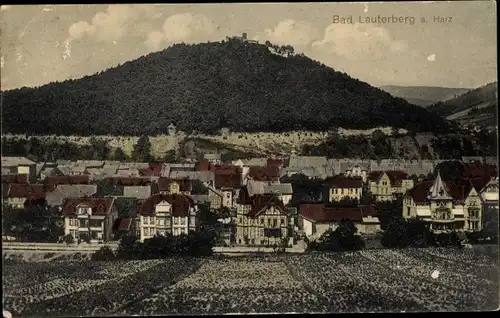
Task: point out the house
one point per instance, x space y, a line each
138 192
15 178
58 194
475 170
92 218
342 188
18 195
387 185
57 180
227 181
214 158
267 174
262 220
311 166
171 129
19 165
174 186
167 213
153 170
316 219
275 162
357 170
489 197
284 191
205 177
450 205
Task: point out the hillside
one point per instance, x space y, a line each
423 95
205 87
477 107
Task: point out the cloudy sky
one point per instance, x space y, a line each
42 44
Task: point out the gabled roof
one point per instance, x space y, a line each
307 161
396 177
16 161
99 206
457 190
472 170
268 173
62 192
203 176
15 178
262 202
56 180
343 182
255 162
274 162
128 181
283 188
123 224
203 166
184 184
28 191
154 169
139 192
180 204
227 178
322 213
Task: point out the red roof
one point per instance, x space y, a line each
227 180
203 166
164 184
344 183
479 170
180 204
15 178
128 181
28 191
457 189
56 180
124 224
261 202
274 162
268 173
322 213
375 175
154 169
99 206
395 176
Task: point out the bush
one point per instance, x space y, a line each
68 239
105 253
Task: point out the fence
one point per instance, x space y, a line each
54 246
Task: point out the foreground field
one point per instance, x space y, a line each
368 281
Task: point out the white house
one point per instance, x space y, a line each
167 213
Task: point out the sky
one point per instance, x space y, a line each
46 43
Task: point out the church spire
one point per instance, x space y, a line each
439 190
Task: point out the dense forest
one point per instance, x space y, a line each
486 94
242 86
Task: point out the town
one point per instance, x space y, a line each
258 202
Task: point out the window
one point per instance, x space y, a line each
160 221
261 221
84 223
282 221
275 222
99 235
228 195
183 221
357 191
192 221
176 220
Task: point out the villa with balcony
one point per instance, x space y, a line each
450 205
90 219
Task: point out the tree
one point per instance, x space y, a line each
170 156
142 150
68 239
119 155
343 238
105 253
449 170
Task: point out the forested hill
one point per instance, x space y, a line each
474 98
204 87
